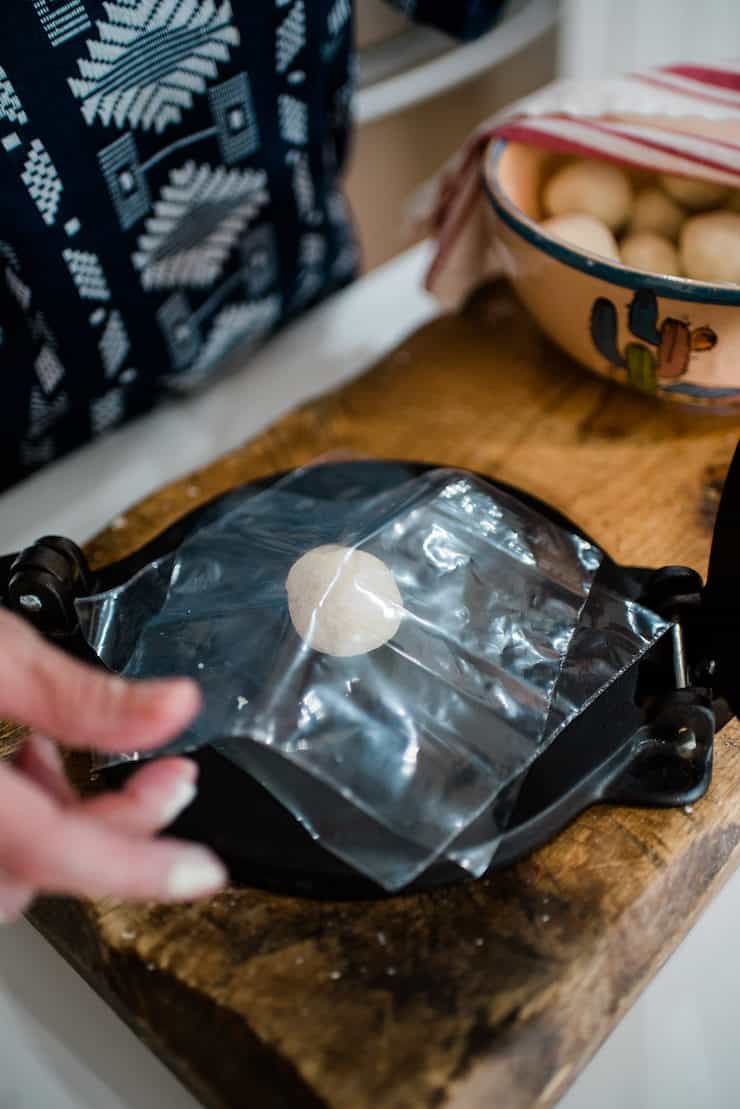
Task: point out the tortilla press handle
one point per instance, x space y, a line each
721 597
43 583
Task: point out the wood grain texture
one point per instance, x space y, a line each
11 737
493 993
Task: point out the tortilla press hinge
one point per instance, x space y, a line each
675 592
671 763
44 581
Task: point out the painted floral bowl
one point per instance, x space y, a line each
670 336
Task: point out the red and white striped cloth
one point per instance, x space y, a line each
678 119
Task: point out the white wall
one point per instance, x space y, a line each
614 36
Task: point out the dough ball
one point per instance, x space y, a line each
654 253
655 211
696 195
343 602
584 232
596 189
710 247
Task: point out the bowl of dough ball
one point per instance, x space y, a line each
635 274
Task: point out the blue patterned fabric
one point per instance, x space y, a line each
169 194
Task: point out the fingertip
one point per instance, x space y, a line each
186 769
163 772
15 900
154 797
180 798
197 873
162 710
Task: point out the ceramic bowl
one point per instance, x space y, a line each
665 335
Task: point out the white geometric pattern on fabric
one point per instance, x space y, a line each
43 182
347 261
260 266
8 254
293 115
338 15
180 329
107 411
49 370
18 288
87 274
151 59
62 19
312 250
125 179
336 207
235 117
114 345
311 255
196 223
236 325
303 187
45 413
10 105
309 284
291 37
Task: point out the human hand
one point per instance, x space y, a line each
51 841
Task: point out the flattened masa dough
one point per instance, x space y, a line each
343 602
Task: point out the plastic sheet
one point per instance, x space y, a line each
390 757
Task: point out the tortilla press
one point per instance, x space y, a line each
646 741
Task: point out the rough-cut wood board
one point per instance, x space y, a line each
494 993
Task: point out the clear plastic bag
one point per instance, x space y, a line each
389 757
612 633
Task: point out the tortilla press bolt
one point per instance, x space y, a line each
45 581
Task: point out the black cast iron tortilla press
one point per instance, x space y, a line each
647 740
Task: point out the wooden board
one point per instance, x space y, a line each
494 993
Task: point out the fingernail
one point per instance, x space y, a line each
49 753
195 876
182 795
